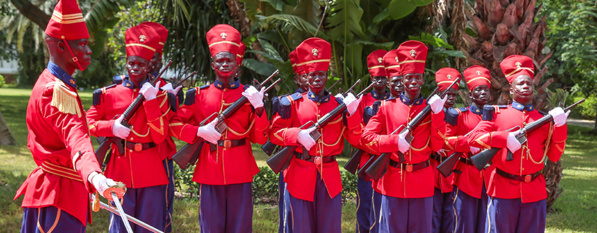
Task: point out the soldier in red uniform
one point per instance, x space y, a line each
226 166
313 185
443 214
56 193
392 66
140 167
517 188
366 217
407 188
469 204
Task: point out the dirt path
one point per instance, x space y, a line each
584 123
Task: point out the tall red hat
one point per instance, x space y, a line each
161 31
516 65
314 54
476 76
412 55
67 22
241 53
375 63
446 76
141 41
223 38
390 62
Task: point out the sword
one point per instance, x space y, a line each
123 215
134 220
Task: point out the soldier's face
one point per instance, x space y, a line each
317 80
521 89
396 86
480 95
137 67
82 51
451 100
301 81
381 82
156 63
412 83
224 64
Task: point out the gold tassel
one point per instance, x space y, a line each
96 202
64 99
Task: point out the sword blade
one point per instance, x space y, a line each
123 215
134 220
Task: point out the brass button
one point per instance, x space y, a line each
131 151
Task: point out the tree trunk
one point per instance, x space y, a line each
553 173
32 12
6 137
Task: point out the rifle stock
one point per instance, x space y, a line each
353 163
269 148
447 166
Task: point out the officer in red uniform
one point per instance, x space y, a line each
313 185
392 66
226 166
366 217
517 188
443 214
407 188
469 204
56 193
140 167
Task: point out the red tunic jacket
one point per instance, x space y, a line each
528 160
301 175
223 166
367 101
428 137
137 169
58 135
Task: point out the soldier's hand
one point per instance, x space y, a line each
101 184
119 130
168 88
254 96
559 116
437 104
403 145
474 150
148 91
351 103
339 96
513 144
209 132
305 139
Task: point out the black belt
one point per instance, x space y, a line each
410 167
523 178
227 144
466 160
139 146
327 159
436 157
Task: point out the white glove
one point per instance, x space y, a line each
339 96
101 183
403 145
168 88
474 150
254 96
436 103
513 144
209 132
351 103
119 130
148 91
305 139
559 116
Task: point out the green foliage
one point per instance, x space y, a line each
2 82
265 185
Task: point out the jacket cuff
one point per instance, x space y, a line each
188 133
437 120
291 136
388 143
104 128
499 139
353 121
152 109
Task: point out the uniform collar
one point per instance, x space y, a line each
475 110
407 101
129 84
324 99
232 85
520 107
378 97
299 90
62 75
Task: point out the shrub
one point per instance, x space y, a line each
2 82
586 110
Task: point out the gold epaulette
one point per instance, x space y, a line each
64 99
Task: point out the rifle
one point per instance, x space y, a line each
280 159
100 152
189 153
448 165
353 163
483 158
333 85
380 166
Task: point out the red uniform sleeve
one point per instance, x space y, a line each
260 129
438 130
282 133
557 143
375 135
183 125
97 126
158 116
485 136
355 129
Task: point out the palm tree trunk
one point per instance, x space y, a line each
6 137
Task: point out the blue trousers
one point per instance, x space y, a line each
49 219
226 208
281 188
375 212
322 215
469 212
365 220
146 204
443 213
169 191
513 216
408 215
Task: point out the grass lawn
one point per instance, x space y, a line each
575 210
